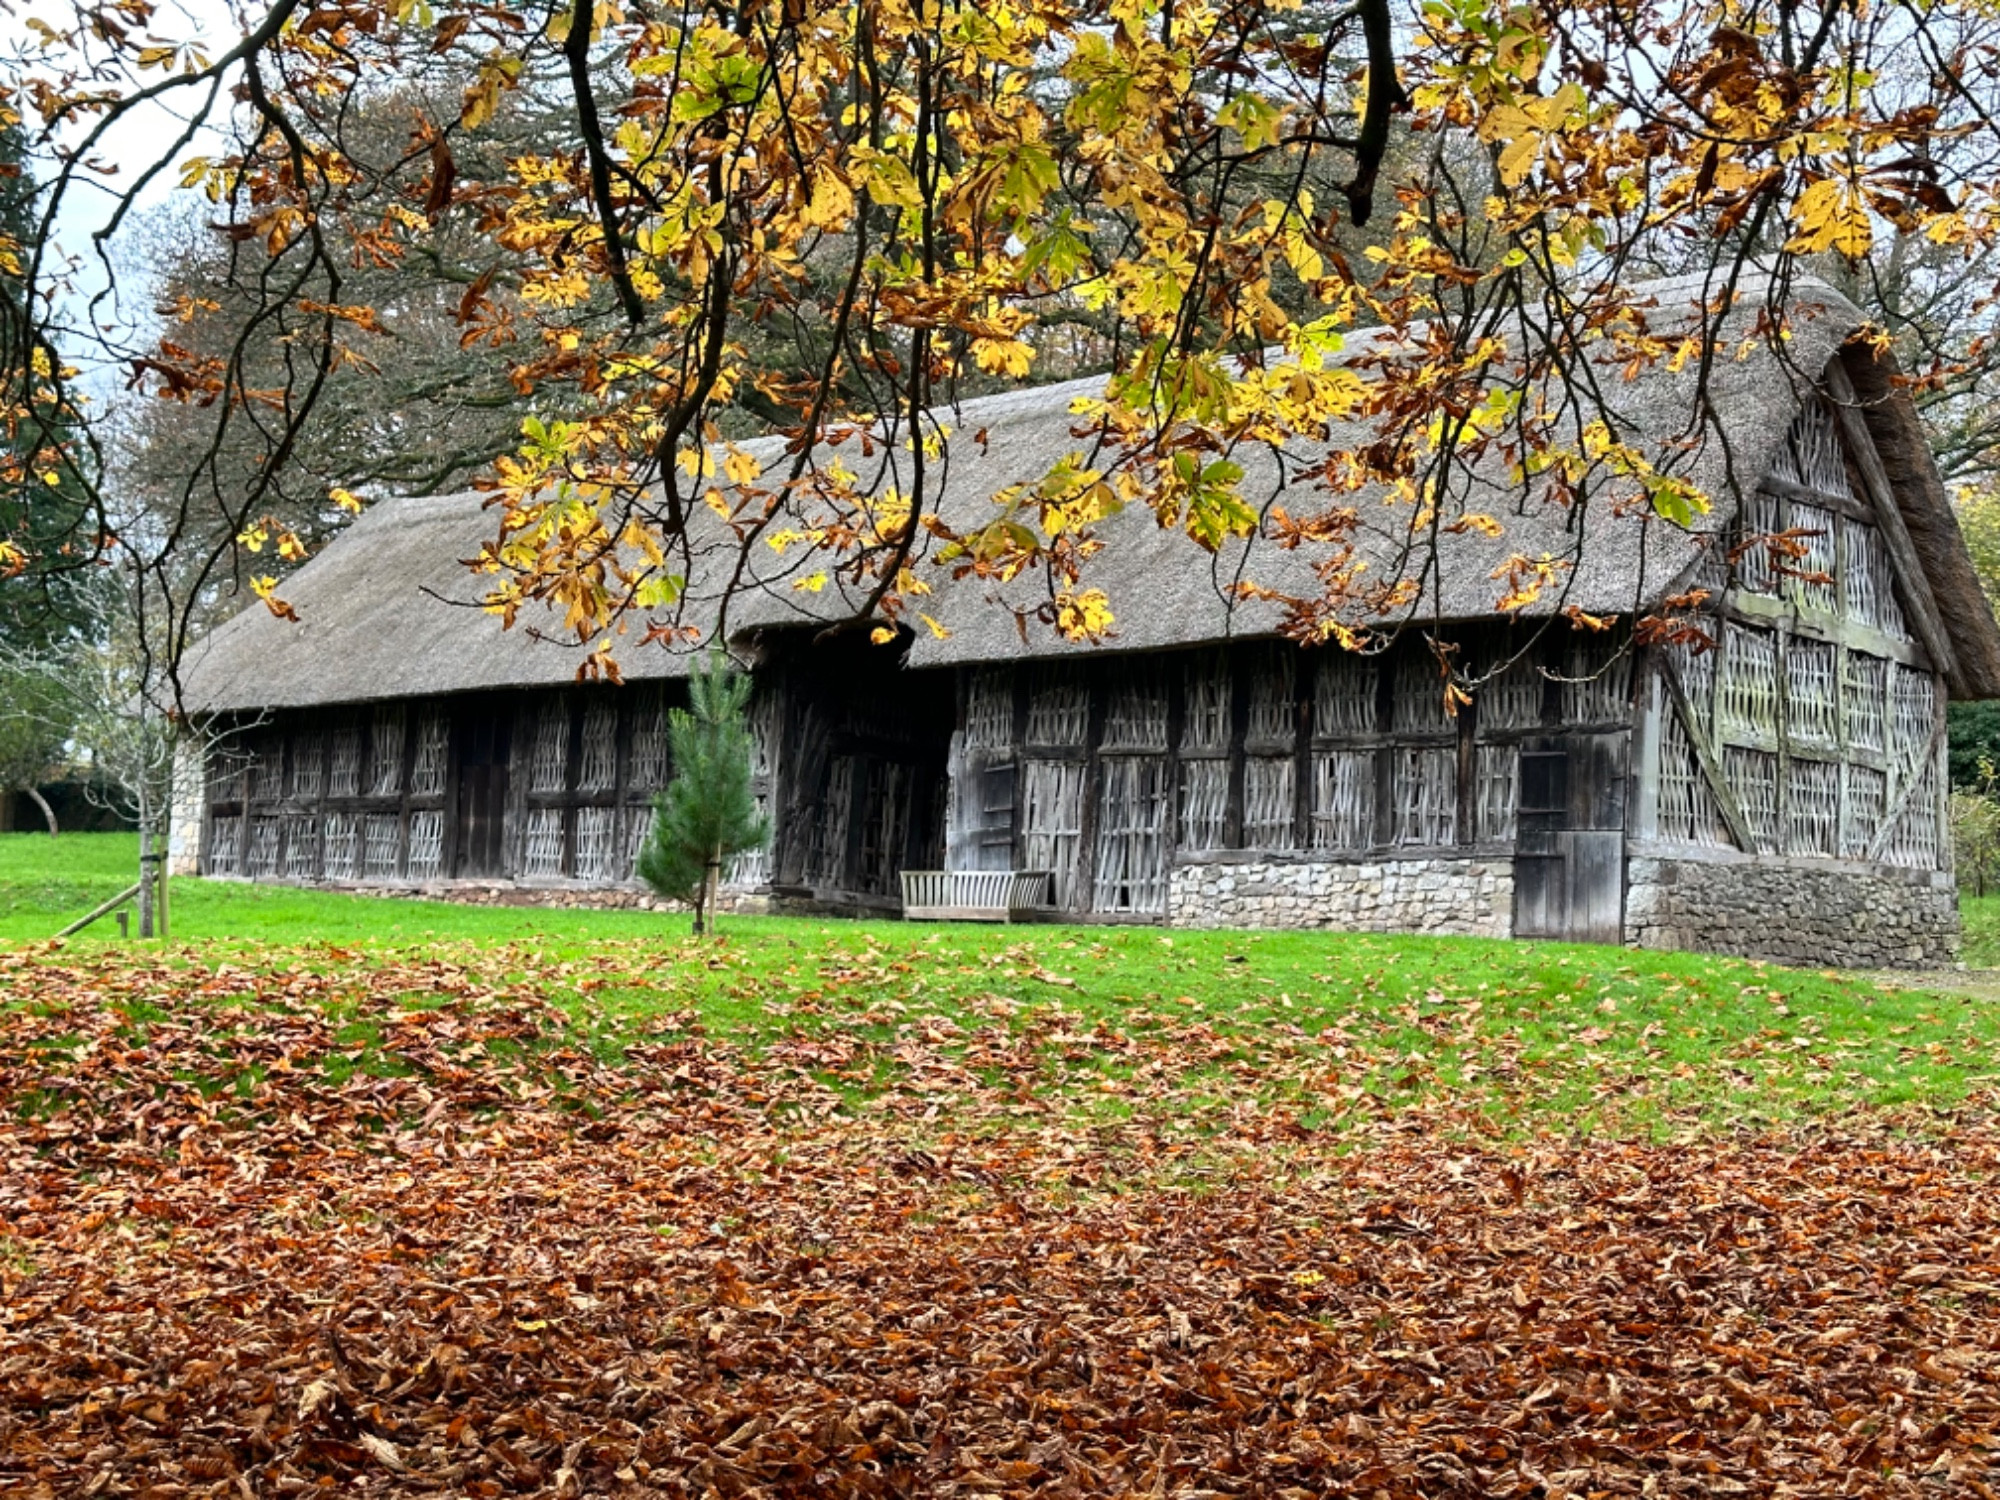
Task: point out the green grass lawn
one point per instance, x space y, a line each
1536 1035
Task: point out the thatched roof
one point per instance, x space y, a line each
386 609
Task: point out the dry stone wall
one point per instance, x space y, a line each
1466 897
1794 912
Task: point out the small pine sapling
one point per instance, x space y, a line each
708 811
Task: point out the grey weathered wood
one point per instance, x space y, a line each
1806 494
1705 756
1900 803
1919 602
1468 773
1645 804
1765 612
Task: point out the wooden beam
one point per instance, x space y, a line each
1889 517
1705 757
1769 612
1893 814
1805 494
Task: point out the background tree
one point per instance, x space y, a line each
708 812
34 734
46 509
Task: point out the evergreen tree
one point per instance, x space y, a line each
708 812
51 590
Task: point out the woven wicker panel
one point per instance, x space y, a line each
1747 685
1811 699
1052 822
385 751
1812 808
599 769
1813 455
989 709
427 771
1917 842
1597 681
1868 581
600 858
1497 777
1205 705
307 773
381 846
1867 802
1753 779
542 854
1269 818
1511 696
752 868
225 846
1273 710
341 846
260 768
302 848
1864 694
1426 796
649 771
1343 799
762 716
1058 707
343 761
228 773
1688 811
885 826
1135 716
1913 713
1344 695
548 766
265 836
1419 705
1811 581
826 860
1762 516
1204 805
426 844
1131 873
634 825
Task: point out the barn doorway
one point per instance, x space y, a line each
482 795
1569 853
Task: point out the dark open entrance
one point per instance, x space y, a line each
1569 858
864 751
483 742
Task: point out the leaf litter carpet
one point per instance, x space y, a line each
701 1270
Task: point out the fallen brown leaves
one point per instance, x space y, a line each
524 1270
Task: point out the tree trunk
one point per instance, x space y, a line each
145 869
48 813
711 884
162 874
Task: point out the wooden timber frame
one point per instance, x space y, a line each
1807 722
554 786
548 786
1260 750
1801 719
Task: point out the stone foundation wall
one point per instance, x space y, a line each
1793 912
1468 897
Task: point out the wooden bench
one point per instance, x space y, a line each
976 895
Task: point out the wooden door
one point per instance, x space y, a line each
1569 853
482 796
